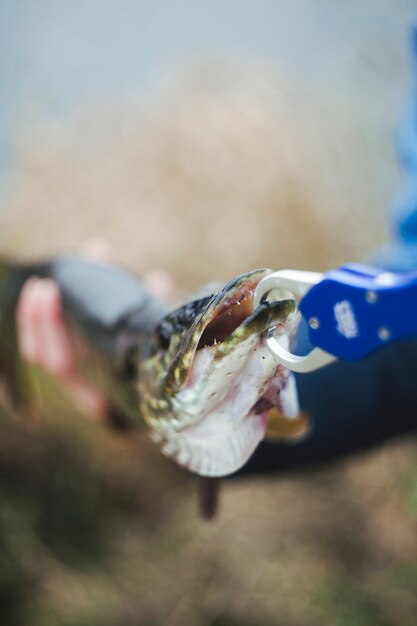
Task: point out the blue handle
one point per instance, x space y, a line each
356 309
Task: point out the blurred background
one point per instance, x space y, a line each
208 138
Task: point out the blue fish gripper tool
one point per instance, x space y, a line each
350 312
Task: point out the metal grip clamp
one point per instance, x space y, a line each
350 311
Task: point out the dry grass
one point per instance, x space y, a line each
229 169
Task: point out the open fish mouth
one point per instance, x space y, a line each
224 382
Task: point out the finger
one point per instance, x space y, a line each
160 283
26 334
44 340
53 348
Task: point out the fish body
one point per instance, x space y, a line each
199 376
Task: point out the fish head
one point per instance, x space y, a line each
207 382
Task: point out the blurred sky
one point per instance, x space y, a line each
55 54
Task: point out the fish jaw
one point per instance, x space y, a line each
228 421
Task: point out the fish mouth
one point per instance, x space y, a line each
222 438
232 384
230 314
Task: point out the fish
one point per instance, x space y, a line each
199 377
207 383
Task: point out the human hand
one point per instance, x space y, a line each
45 340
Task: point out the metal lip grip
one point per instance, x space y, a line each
350 311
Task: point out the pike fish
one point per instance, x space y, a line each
207 383
199 376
